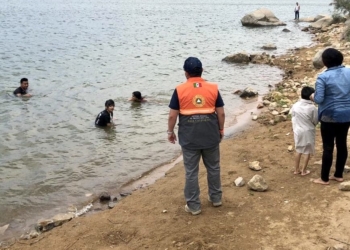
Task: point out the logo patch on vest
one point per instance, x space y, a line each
198 101
197 85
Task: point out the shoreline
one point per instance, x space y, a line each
148 174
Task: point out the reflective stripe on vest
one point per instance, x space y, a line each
196 96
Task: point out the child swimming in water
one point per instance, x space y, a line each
137 97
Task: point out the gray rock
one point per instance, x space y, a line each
344 186
286 30
254 165
269 47
248 93
285 111
322 23
317 60
57 220
33 234
266 102
125 194
111 205
237 58
260 106
260 18
254 117
318 17
307 19
305 29
257 183
3 229
239 182
104 196
346 169
274 112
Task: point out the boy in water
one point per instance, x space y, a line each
304 120
105 117
22 90
137 97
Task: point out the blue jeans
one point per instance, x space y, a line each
211 160
296 15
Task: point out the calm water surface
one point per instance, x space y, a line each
79 53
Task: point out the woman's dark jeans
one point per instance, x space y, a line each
329 133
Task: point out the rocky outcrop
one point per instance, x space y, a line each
269 47
307 19
317 60
237 58
322 23
248 93
286 30
261 18
57 220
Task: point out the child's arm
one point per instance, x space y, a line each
314 116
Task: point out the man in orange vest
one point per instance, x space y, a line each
200 109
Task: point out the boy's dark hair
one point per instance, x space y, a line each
332 57
23 80
137 94
306 92
109 103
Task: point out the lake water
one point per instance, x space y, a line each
79 53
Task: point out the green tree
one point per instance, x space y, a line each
342 6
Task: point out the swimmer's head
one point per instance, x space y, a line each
24 83
109 104
137 96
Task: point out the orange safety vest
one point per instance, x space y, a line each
197 96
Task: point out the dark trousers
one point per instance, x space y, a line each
329 133
296 15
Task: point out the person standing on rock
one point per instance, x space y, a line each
304 120
296 11
200 109
332 96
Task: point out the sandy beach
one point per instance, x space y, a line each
293 213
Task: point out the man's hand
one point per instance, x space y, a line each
172 138
221 134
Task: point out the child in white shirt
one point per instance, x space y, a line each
304 120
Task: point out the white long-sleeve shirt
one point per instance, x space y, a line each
304 119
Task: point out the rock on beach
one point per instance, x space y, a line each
258 183
255 165
237 58
261 18
344 186
248 93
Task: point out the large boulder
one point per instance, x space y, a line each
322 23
260 18
307 19
237 58
317 60
248 93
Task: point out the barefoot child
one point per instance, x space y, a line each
304 120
